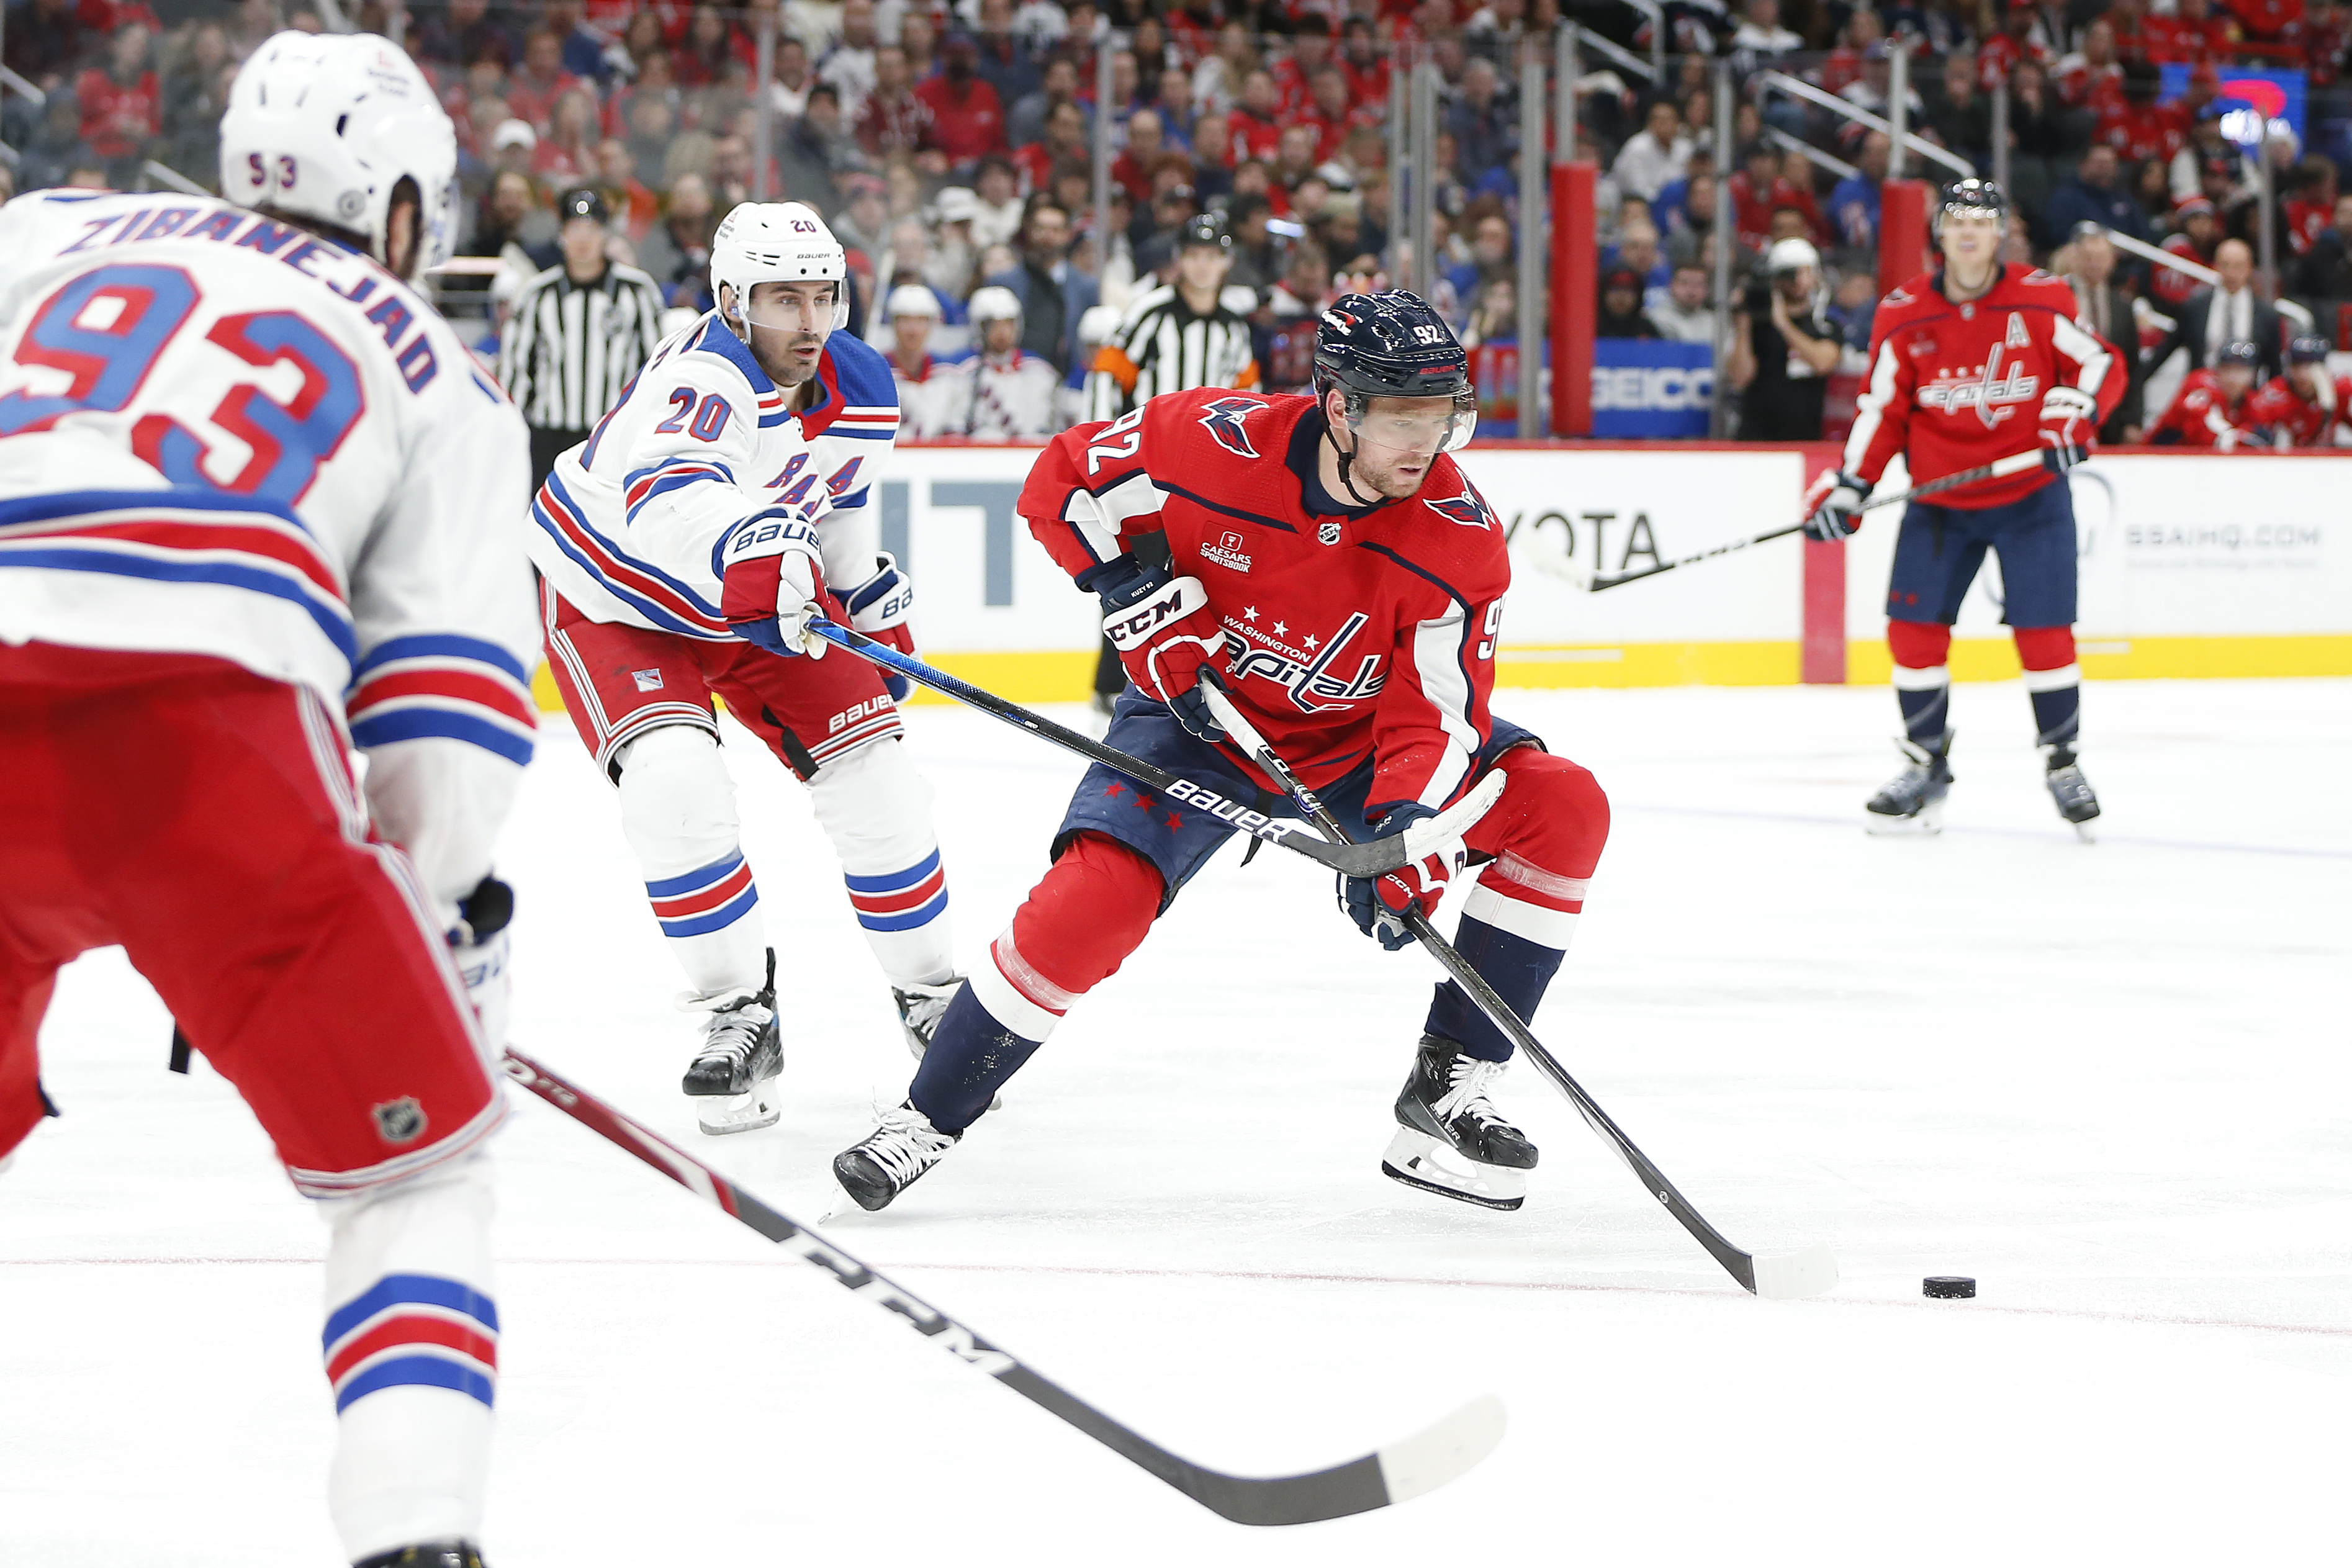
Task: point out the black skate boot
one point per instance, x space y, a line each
1913 800
1450 1138
920 1009
892 1157
2076 802
435 1555
733 1078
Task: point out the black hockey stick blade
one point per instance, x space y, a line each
1349 860
1420 1463
1806 1273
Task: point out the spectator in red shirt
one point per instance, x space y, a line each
123 105
2139 128
1255 128
1064 142
1331 114
1310 51
2094 78
2128 18
1999 55
2192 35
1133 167
893 121
2200 233
533 89
2311 210
566 156
1756 190
2325 36
967 116
2266 20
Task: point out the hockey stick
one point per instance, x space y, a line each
1806 1273
2016 463
1419 1463
1348 858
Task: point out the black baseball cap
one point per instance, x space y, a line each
583 201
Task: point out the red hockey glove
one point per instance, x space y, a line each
1166 636
1836 500
879 607
1379 904
774 582
2070 418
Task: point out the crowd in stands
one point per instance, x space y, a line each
952 145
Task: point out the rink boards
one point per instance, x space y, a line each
2192 565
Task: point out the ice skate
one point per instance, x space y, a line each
920 1008
435 1555
1450 1138
733 1079
2077 802
1913 800
892 1157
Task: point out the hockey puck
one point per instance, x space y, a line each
1949 1287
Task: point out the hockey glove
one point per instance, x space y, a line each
1379 904
774 582
1837 510
477 946
2069 422
879 607
1166 637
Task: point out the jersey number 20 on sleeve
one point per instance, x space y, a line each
107 328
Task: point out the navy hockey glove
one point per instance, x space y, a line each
1166 636
2069 419
477 946
1378 904
774 581
879 607
1838 511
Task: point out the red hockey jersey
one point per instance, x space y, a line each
1367 634
1955 386
2279 407
2202 416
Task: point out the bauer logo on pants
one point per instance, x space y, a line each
399 1121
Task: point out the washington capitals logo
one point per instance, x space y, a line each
1224 419
1989 391
1469 508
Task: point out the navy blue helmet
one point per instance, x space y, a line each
1394 345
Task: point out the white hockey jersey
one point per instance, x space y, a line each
1016 398
928 401
219 435
631 524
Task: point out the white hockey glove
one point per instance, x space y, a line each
774 581
477 946
2069 423
1167 636
1379 904
879 607
1837 507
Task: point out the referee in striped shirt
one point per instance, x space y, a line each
579 333
1172 338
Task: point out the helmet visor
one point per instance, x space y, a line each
1422 425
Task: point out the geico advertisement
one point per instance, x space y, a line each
982 584
2253 544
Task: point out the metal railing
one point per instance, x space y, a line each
1783 82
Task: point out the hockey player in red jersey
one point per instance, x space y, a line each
1324 561
2306 406
244 469
1976 361
2214 408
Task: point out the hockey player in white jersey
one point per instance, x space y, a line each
1004 393
243 471
927 388
685 544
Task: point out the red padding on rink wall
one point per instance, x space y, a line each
1574 255
1823 647
1901 232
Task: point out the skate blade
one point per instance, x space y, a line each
1924 823
2084 834
1418 1159
721 1114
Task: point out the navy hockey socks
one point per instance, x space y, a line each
970 1058
1517 969
1927 711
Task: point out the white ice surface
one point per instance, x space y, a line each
2109 1081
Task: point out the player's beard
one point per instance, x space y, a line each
1375 470
786 372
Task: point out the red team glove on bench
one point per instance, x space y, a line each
1165 635
1379 904
774 582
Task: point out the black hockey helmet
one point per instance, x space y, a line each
1972 198
2307 351
2239 351
1394 345
1205 228
583 201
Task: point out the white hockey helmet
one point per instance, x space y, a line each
994 303
777 242
913 300
324 127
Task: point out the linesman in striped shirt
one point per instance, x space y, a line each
1172 338
581 331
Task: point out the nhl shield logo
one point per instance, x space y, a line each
1329 533
399 1121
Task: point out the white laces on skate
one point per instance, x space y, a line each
920 1008
1466 1093
906 1144
736 1021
